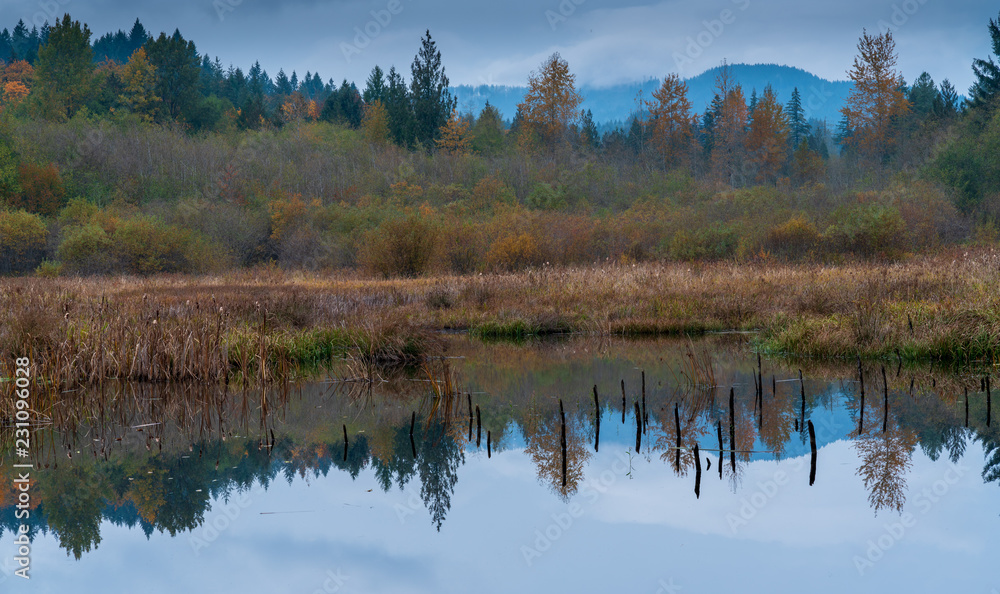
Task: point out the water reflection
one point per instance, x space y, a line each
156 457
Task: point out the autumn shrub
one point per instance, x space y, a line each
867 230
23 237
86 249
546 196
400 247
145 246
461 245
713 242
490 192
514 252
42 189
795 239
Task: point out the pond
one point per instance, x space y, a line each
566 465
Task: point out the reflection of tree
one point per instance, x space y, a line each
545 448
691 433
438 459
991 471
74 500
885 459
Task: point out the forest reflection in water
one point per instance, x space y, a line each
156 457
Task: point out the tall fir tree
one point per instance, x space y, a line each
374 86
432 101
65 70
798 126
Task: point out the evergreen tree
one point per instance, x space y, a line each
399 109
431 99
282 86
177 73
798 127
294 81
375 86
488 131
987 86
922 95
947 102
588 130
65 70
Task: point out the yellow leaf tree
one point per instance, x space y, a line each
876 100
139 80
375 123
552 102
671 121
455 138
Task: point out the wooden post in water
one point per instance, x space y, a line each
479 426
697 473
638 428
966 407
760 374
623 402
562 418
861 379
413 422
489 443
802 390
885 402
345 443
812 449
645 417
469 394
677 451
597 420
989 404
718 430
732 427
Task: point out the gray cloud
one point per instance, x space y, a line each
501 42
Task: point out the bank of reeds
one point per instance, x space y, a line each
264 324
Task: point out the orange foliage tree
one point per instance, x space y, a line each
139 80
375 123
671 121
731 119
455 138
552 102
768 137
42 190
876 100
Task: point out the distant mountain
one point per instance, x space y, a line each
821 98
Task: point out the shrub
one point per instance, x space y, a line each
714 242
514 252
86 250
868 230
400 247
793 239
42 190
22 241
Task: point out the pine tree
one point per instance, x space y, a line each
177 74
282 86
139 81
399 109
374 86
798 127
922 95
375 123
488 132
432 101
946 104
984 91
588 130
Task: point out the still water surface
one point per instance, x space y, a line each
169 489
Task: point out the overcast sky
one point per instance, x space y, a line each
501 41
